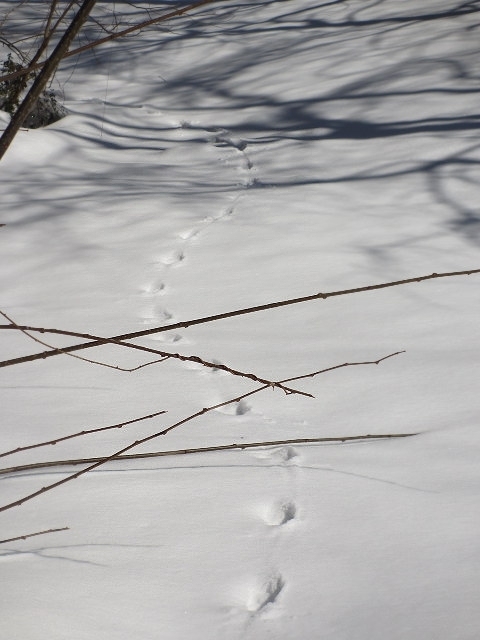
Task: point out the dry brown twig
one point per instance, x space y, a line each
221 316
163 432
121 338
165 354
45 74
85 432
49 30
25 332
31 535
219 447
114 36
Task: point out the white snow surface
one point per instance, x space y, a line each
247 153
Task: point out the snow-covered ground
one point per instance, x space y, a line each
247 153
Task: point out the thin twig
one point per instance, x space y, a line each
80 433
48 69
165 354
31 535
49 30
231 314
220 447
25 332
152 436
114 36
340 366
51 12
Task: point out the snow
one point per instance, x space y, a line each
250 152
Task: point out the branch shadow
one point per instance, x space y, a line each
434 81
309 82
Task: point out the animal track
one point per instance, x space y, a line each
234 159
154 288
154 315
160 314
235 155
225 141
166 338
221 138
279 455
242 408
173 258
265 594
188 234
280 513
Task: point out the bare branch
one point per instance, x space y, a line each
229 314
48 22
25 331
48 69
340 366
165 354
152 436
31 535
80 433
49 30
114 36
220 447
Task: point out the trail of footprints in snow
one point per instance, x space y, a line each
153 313
266 589
266 593
276 514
